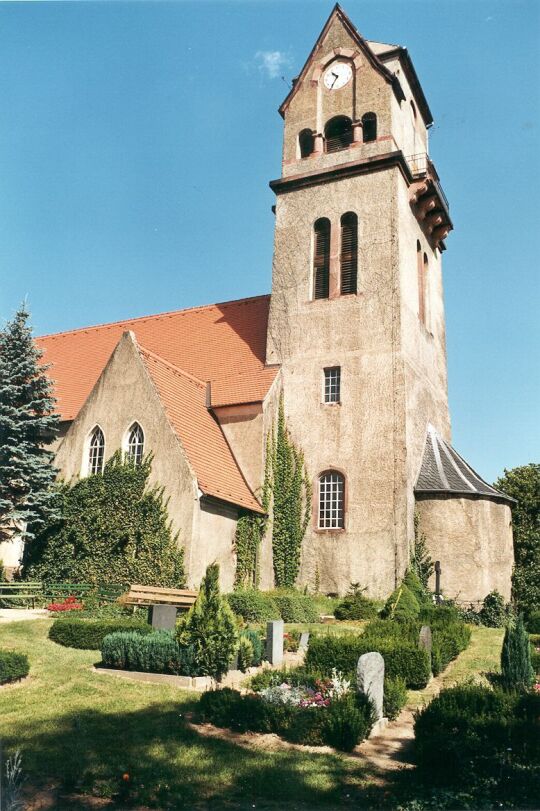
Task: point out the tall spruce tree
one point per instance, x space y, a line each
28 423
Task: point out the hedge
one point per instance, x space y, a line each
295 607
533 623
253 605
342 652
89 634
13 666
157 652
489 734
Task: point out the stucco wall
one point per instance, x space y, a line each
214 530
472 538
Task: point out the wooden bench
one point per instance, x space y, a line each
152 595
21 591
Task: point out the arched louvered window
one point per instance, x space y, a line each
369 127
321 258
135 444
349 253
338 133
96 451
331 500
305 143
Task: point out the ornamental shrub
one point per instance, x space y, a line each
491 734
13 666
493 613
113 528
257 644
516 668
533 622
413 583
157 652
295 607
89 634
210 628
348 721
355 606
244 654
401 605
395 696
253 605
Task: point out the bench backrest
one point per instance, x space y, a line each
148 595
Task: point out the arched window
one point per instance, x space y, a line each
96 451
305 143
331 500
338 133
135 444
321 258
369 127
421 283
349 253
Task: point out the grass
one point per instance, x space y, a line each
79 732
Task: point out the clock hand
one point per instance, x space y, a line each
337 77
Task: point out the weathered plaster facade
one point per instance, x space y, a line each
388 339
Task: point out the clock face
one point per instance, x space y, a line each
337 75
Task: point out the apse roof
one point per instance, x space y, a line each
443 470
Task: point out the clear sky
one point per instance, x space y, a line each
137 141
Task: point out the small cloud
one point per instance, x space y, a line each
273 63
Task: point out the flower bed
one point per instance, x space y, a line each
317 712
69 604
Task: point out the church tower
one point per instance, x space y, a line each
357 316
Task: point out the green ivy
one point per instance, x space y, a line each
112 529
250 530
291 492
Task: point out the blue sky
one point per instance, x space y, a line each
137 141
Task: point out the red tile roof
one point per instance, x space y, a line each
224 343
184 400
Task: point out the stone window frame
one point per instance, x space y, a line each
94 455
340 510
331 385
128 445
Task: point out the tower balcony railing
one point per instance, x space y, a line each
421 166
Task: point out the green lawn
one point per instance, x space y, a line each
79 732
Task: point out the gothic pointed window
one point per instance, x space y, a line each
369 127
331 500
305 143
321 258
338 133
96 451
349 253
135 444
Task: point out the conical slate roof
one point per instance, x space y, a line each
443 470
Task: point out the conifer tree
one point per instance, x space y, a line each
28 424
516 669
210 628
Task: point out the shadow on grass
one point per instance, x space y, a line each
167 765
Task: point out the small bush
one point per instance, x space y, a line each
219 706
13 666
493 613
244 653
253 605
401 605
348 721
89 634
294 677
413 583
295 607
355 606
533 622
516 669
395 696
158 652
257 644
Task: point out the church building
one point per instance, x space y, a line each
352 336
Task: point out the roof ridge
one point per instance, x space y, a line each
140 318
171 366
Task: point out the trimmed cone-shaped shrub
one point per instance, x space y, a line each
210 628
516 668
401 605
413 583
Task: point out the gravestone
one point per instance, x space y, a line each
424 640
274 642
163 617
370 680
304 641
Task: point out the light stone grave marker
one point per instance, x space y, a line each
370 680
304 641
424 640
274 641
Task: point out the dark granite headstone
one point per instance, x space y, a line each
162 617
